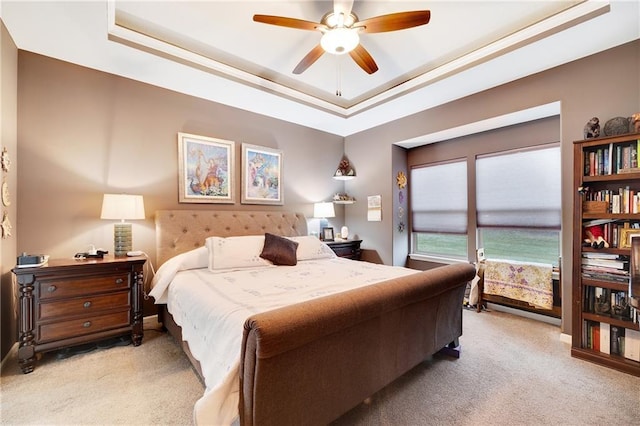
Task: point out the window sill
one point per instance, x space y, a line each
436 259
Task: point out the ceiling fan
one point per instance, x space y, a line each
340 32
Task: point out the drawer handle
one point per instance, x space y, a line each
52 288
119 281
87 304
87 324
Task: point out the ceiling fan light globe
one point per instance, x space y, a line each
339 41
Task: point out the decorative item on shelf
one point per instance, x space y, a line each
343 198
122 207
592 128
322 211
635 122
344 232
345 170
616 126
594 237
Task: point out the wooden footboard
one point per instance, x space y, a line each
311 362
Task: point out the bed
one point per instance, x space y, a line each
302 354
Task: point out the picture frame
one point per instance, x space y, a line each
206 169
262 175
626 234
327 234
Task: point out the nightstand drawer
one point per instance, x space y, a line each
349 249
70 287
84 305
345 251
81 326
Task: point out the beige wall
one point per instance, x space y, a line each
83 133
8 126
605 85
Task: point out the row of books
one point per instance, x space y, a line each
624 200
611 339
612 159
608 267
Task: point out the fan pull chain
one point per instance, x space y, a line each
338 77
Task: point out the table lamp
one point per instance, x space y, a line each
122 207
322 211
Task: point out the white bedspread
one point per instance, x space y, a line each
212 308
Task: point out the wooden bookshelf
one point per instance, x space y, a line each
605 170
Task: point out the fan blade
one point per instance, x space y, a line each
342 6
308 60
363 59
394 21
282 21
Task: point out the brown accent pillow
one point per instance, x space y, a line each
279 250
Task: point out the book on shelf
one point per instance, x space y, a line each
605 277
605 338
607 263
600 255
632 345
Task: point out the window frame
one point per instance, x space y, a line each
473 237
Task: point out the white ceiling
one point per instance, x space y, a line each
214 50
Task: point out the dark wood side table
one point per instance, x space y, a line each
68 302
349 249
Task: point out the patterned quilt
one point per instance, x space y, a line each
527 282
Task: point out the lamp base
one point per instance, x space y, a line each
122 239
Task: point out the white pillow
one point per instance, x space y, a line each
193 259
310 247
232 253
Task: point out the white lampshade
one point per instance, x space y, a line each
122 207
323 210
339 41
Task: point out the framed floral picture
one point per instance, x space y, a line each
206 169
261 175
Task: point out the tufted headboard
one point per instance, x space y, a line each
178 231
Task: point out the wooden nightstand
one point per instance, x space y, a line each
346 248
68 302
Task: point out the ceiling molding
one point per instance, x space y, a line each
133 32
530 114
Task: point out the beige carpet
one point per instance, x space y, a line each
513 371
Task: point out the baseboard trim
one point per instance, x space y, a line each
526 314
566 338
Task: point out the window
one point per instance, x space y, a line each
439 209
519 205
